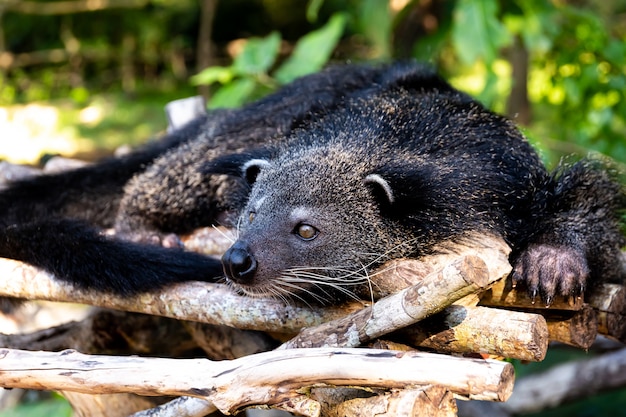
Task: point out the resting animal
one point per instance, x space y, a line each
325 180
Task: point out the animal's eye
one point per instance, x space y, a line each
251 216
306 231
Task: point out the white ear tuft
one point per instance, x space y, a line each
252 168
377 180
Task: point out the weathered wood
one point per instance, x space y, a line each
609 300
399 274
464 276
264 378
510 334
195 301
578 328
503 294
433 401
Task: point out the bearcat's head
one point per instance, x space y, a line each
315 225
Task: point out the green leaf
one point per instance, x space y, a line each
211 75
312 50
258 55
313 10
233 94
477 32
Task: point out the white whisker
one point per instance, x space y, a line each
225 235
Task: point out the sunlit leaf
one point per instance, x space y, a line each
477 32
258 55
313 9
212 75
233 94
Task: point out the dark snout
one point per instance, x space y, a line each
239 263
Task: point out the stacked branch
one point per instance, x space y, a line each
266 378
420 315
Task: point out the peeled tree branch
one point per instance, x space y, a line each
264 378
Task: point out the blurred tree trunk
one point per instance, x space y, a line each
518 105
418 19
204 53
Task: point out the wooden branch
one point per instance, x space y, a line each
207 303
406 272
609 300
462 329
433 401
195 301
58 55
465 276
567 382
265 378
578 328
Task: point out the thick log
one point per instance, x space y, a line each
609 301
433 401
436 291
578 328
265 378
460 329
396 275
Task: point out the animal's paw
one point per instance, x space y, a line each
550 271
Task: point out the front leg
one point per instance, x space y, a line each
577 240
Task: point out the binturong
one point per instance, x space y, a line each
400 168
324 180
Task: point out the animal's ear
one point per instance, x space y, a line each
400 188
381 190
252 167
243 165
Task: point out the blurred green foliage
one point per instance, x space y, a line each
575 55
250 70
56 406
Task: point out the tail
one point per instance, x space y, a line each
79 254
576 239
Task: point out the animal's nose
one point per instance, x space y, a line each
239 263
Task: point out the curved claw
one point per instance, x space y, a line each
551 271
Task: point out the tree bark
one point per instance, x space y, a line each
265 378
